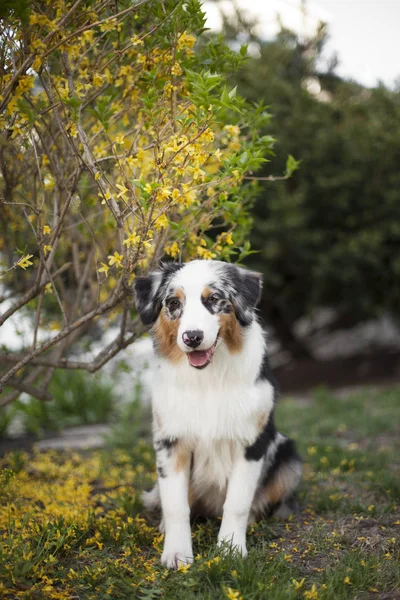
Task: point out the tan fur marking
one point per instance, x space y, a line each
261 420
207 292
179 293
182 454
231 332
285 481
166 332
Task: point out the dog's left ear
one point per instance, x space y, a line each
148 291
247 286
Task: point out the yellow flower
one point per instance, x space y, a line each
311 451
131 240
298 584
115 259
176 69
105 196
186 40
73 130
163 194
136 41
232 594
347 581
104 269
46 230
47 249
119 139
175 194
182 568
25 261
311 594
232 130
108 25
161 223
98 80
147 188
172 250
123 190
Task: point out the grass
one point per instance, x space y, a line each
72 527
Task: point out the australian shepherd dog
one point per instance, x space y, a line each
217 450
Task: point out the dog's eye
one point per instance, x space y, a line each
173 304
214 298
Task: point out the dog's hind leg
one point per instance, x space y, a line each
276 492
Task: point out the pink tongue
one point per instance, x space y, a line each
199 358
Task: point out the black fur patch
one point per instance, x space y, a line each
165 444
266 374
246 292
285 453
150 290
257 450
218 306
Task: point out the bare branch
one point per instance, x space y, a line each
30 294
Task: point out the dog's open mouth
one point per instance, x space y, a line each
201 358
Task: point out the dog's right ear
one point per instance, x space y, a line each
148 302
149 292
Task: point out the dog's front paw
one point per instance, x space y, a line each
234 543
176 559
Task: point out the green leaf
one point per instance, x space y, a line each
292 165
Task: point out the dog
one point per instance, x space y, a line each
217 450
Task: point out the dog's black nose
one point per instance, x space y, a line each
193 338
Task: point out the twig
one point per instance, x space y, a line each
30 294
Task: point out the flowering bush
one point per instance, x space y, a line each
120 145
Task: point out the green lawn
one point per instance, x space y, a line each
72 526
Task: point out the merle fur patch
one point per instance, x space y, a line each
149 291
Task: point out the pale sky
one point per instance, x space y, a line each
365 34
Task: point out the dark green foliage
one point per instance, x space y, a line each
78 399
330 235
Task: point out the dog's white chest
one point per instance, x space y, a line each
214 404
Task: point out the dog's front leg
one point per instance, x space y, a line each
173 462
242 486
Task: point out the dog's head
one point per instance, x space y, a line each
195 306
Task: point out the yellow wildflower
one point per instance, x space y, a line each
25 261
123 190
161 222
131 240
115 259
104 269
233 594
172 250
311 594
46 230
176 69
298 584
233 130
186 40
119 139
347 581
47 249
105 196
